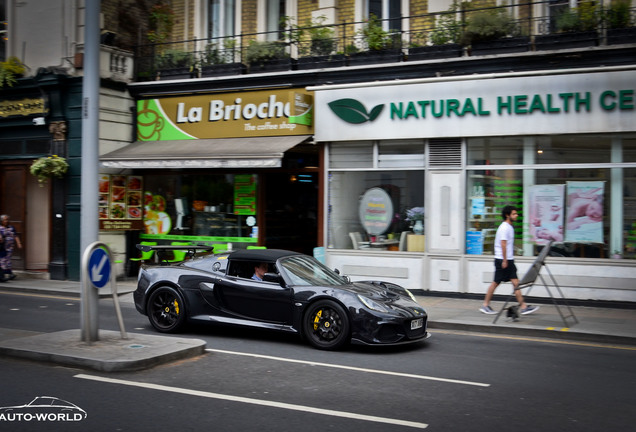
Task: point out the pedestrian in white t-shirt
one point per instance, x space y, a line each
505 269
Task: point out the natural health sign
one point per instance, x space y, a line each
478 106
232 115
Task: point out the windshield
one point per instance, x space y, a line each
305 270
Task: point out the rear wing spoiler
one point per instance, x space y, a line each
191 249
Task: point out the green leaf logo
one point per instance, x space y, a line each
352 111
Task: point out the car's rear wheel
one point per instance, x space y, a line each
326 325
166 310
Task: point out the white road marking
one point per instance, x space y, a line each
266 403
353 368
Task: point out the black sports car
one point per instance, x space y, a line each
297 294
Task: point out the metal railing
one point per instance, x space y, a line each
251 52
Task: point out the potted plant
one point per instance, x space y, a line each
48 167
318 51
415 215
381 46
494 32
216 60
263 56
576 28
617 19
175 64
444 38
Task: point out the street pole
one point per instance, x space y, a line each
89 225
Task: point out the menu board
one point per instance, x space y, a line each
245 194
120 202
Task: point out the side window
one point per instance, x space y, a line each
246 269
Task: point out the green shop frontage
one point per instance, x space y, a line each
435 160
232 170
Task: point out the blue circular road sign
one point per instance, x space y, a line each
99 268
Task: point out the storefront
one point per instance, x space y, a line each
233 170
449 153
39 119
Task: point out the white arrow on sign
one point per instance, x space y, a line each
96 271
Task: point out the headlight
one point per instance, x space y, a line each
372 304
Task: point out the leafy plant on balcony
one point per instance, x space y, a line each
215 54
489 25
321 39
10 70
174 59
259 53
579 19
375 37
617 16
447 29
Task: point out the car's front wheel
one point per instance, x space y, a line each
326 325
166 310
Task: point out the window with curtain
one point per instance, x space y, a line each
221 18
390 11
275 13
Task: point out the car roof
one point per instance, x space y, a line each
270 255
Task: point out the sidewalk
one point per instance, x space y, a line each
112 353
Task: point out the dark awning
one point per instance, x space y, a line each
255 152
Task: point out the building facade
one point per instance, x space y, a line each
420 134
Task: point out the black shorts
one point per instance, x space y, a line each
505 274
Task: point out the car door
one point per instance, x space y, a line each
254 300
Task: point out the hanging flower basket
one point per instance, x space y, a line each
47 167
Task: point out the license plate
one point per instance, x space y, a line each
418 323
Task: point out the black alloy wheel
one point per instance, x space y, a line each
326 325
166 310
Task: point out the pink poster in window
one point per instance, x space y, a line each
546 213
585 212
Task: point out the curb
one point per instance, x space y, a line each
110 353
569 335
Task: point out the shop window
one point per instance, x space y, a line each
379 222
215 209
586 206
570 207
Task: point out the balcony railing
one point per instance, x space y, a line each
456 32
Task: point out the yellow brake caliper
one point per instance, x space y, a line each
317 319
176 307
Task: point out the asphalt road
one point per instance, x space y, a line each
270 382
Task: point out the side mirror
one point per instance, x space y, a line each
344 277
272 277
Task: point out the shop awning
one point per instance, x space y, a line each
255 152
